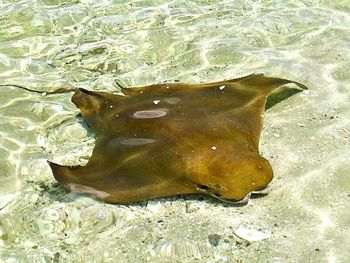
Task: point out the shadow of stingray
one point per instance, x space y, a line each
56 192
280 95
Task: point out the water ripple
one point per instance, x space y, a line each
91 44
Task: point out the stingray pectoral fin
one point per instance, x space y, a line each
257 90
61 173
122 186
66 176
263 84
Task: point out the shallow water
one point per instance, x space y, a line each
48 44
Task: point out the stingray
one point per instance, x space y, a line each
176 139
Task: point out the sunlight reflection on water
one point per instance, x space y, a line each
49 44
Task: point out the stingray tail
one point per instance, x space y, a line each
57 91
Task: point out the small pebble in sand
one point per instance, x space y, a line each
250 234
153 206
214 239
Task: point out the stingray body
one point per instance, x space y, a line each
174 139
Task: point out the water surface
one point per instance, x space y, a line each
49 44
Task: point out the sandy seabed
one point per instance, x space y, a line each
48 44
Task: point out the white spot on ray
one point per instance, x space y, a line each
136 141
172 100
149 114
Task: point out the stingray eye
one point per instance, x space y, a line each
202 187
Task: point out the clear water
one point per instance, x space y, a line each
48 44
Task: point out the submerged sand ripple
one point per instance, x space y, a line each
90 44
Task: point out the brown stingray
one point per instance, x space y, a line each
173 139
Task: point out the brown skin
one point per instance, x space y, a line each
171 139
